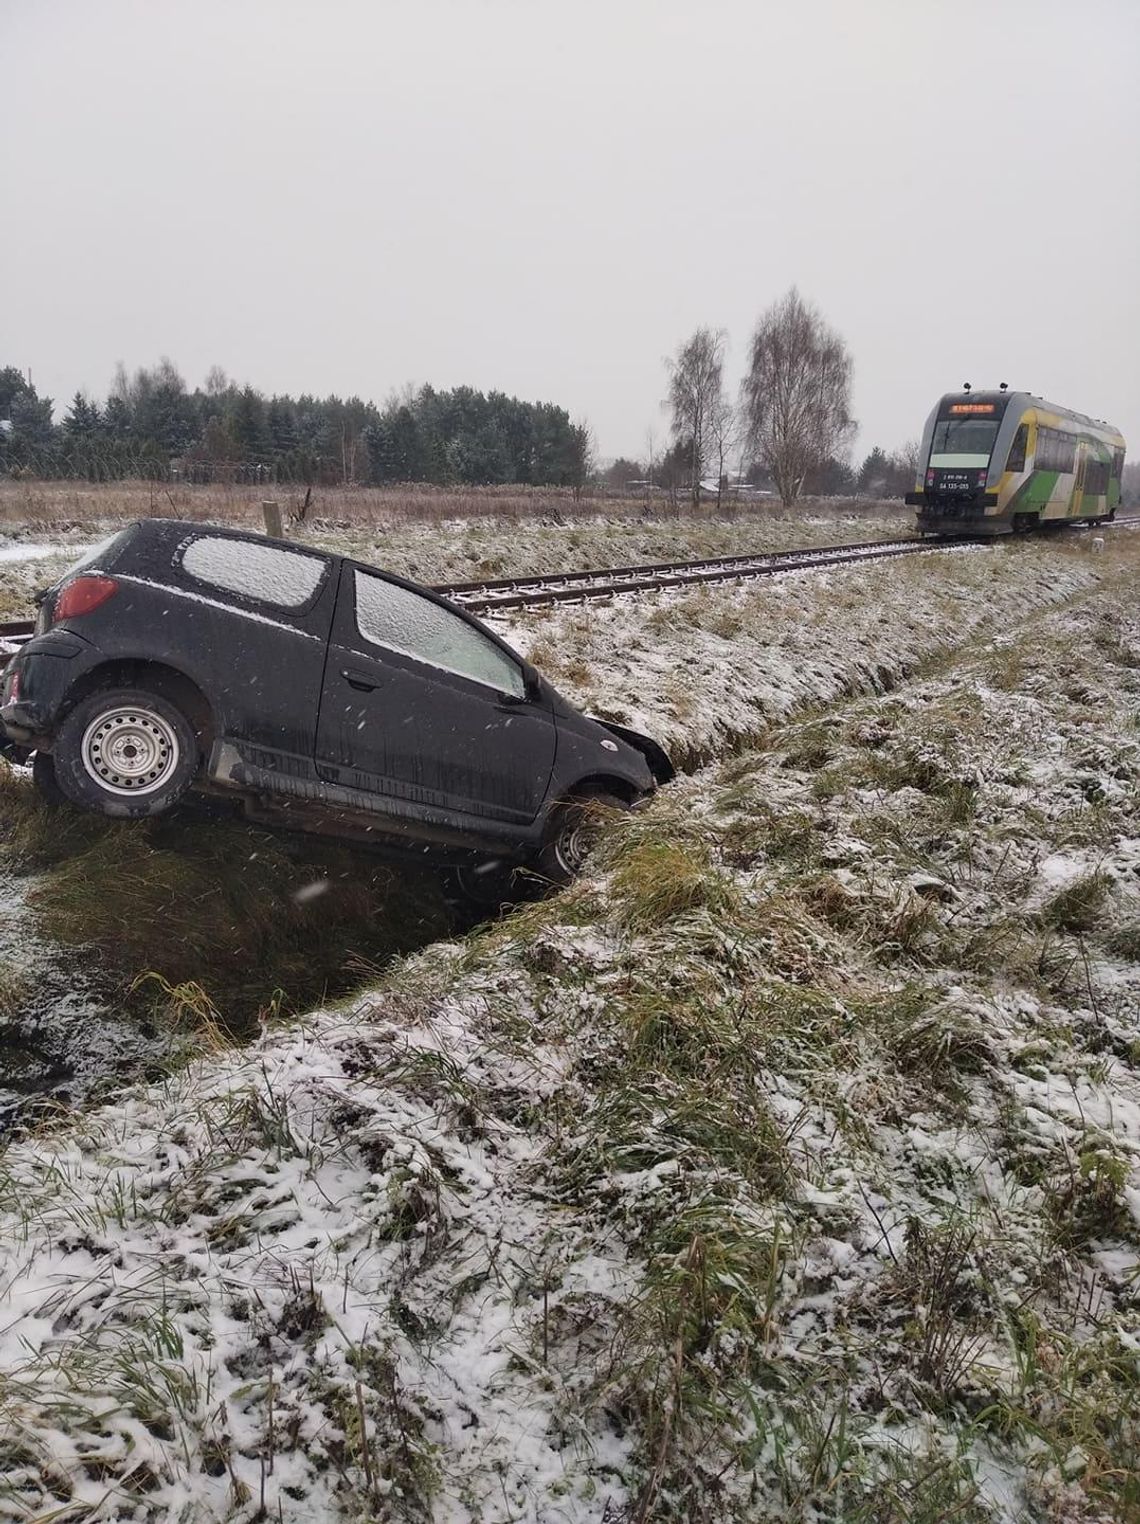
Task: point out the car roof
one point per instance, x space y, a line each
182 528
176 530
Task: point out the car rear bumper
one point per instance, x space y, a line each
37 681
22 722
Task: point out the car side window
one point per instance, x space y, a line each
285 578
399 620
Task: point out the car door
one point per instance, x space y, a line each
422 705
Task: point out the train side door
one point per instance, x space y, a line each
1079 481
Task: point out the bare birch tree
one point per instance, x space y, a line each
722 438
696 392
796 394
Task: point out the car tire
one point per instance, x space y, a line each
125 752
43 776
571 831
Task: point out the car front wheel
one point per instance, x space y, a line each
571 833
125 752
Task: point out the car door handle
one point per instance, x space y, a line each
362 681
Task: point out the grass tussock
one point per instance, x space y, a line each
14 982
658 881
937 1043
1079 906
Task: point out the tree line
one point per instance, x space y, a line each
790 430
152 425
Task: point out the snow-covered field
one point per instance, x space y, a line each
786 1167
464 550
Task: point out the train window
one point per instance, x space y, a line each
963 442
1055 450
1016 461
1096 477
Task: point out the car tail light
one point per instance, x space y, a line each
83 595
930 478
981 478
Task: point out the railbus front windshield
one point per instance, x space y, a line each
963 442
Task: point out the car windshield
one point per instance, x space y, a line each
963 442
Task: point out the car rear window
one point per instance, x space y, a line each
288 579
94 554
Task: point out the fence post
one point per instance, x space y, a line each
271 512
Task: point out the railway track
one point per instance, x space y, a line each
584 586
579 586
490 596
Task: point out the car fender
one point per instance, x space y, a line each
659 764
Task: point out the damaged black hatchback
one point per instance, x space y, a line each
326 694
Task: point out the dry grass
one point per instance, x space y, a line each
50 504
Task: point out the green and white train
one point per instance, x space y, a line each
1007 462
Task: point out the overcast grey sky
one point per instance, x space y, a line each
546 198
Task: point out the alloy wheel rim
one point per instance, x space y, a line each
130 751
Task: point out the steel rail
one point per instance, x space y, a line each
588 586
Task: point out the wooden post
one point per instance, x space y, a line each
273 525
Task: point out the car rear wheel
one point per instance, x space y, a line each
125 752
571 833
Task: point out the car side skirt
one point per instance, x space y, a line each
291 784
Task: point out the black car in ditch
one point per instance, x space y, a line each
327 694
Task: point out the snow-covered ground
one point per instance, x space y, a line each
787 1166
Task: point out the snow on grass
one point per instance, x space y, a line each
704 671
312 1272
788 1165
464 550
